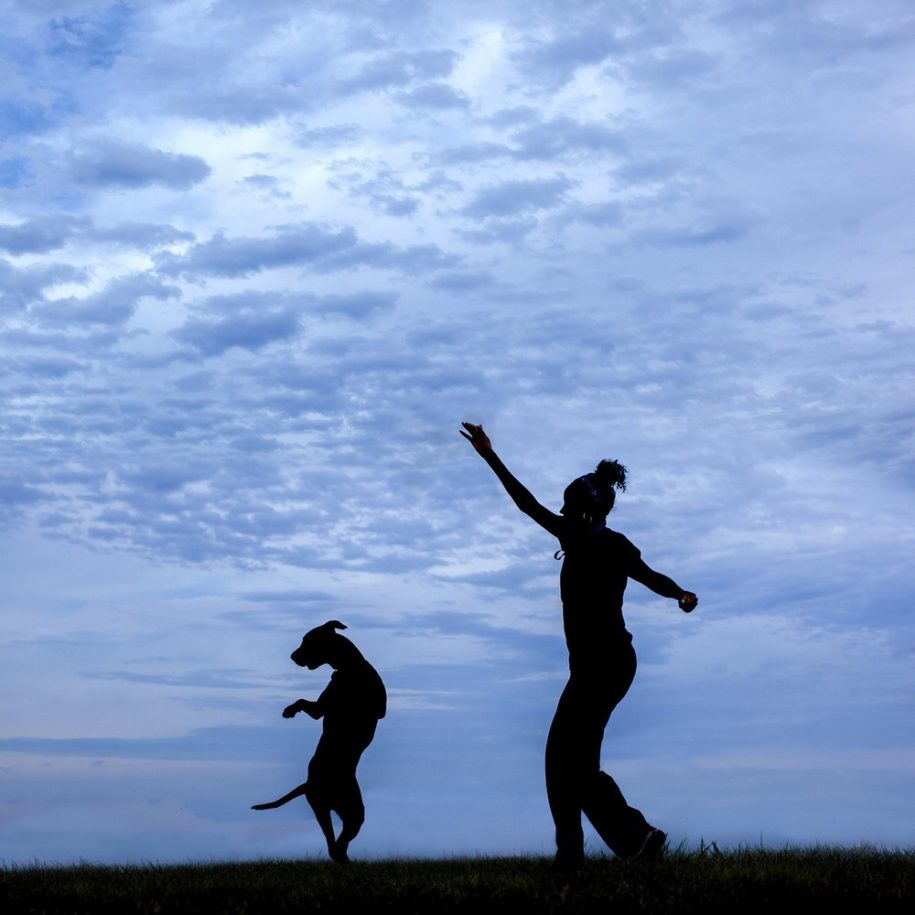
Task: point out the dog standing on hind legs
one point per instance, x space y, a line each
351 706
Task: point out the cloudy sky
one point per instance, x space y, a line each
258 261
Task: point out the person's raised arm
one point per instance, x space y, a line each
519 493
663 585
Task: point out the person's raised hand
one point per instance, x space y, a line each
476 436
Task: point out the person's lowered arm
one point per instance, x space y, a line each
663 585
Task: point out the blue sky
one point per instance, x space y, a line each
258 261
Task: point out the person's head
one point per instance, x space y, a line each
590 498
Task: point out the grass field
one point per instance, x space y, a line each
743 881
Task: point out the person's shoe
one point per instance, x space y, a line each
652 847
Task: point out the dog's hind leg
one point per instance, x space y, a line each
351 810
285 799
321 807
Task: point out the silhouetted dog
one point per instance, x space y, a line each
351 705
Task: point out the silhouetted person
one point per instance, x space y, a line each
596 566
351 705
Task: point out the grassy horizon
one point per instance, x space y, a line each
746 880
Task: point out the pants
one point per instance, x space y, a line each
575 783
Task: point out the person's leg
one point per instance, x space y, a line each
560 782
572 760
622 827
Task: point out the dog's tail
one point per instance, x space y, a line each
285 799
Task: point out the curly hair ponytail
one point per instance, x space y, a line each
591 497
612 474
